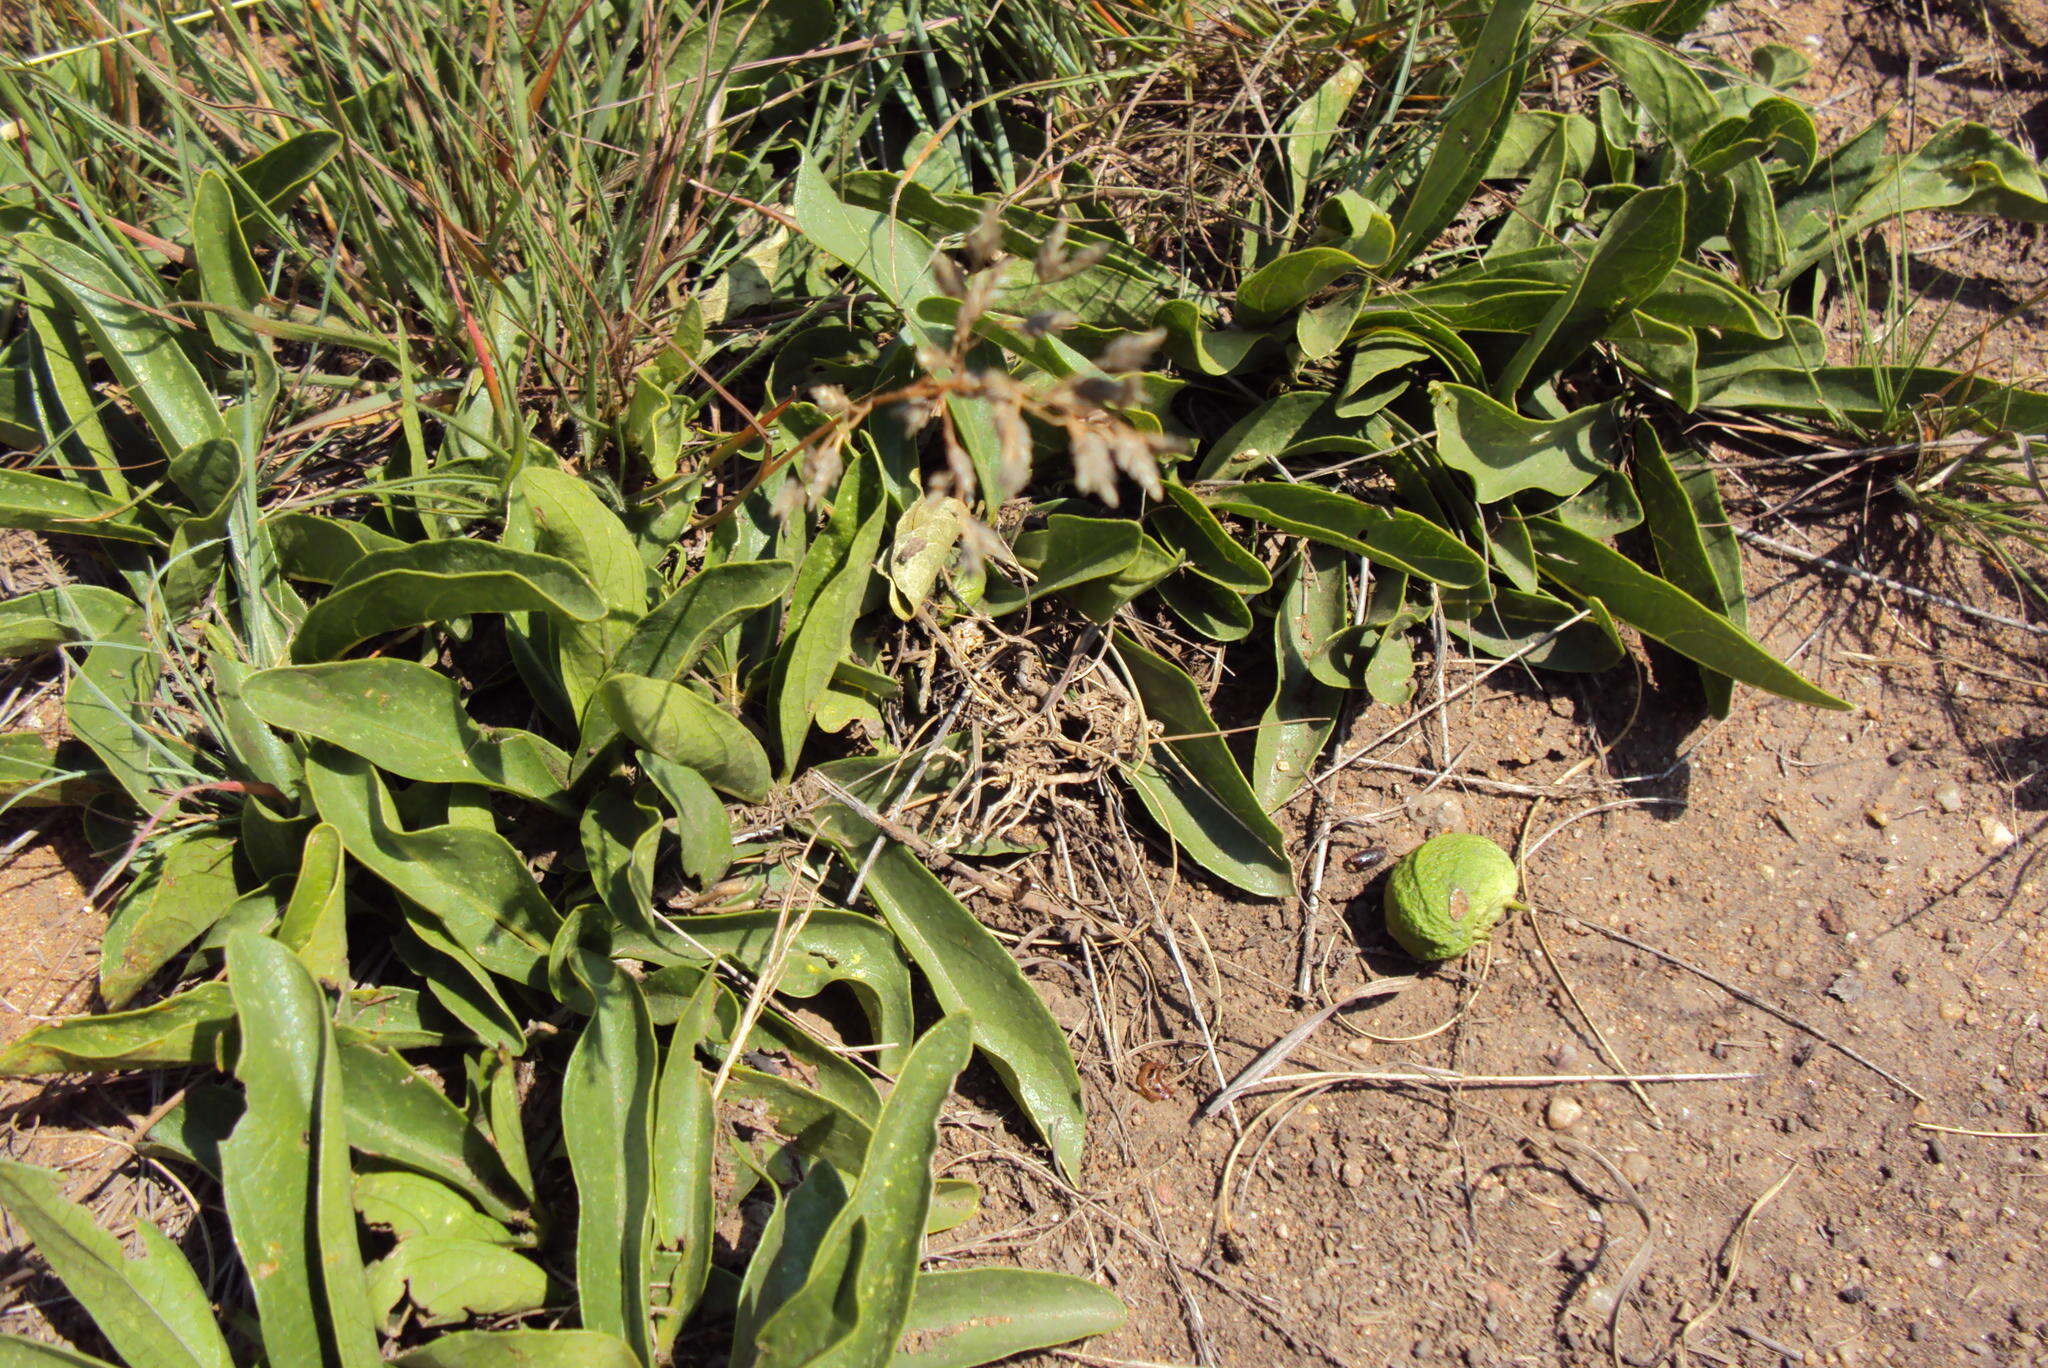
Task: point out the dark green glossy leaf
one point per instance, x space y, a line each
432 581
1666 613
680 725
968 970
669 640
1297 722
1695 548
315 922
397 1115
1393 537
408 720
1504 453
1637 249
853 1305
472 882
1476 119
1229 811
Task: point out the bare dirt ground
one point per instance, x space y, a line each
1834 921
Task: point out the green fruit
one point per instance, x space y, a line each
1448 893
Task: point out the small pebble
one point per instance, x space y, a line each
1997 835
1563 1113
1352 1174
1948 796
1636 1168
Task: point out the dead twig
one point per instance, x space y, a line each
1276 1054
1753 1000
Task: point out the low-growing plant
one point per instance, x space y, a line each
519 462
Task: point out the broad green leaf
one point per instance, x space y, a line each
1266 431
1662 81
831 946
44 619
1475 119
284 1171
521 1349
273 178
791 1239
892 257
1067 552
557 514
412 1205
321 550
1695 549
620 831
968 970
181 894
196 1026
669 640
1313 126
1666 613
432 581
41 504
1213 610
69 415
680 725
139 344
449 1279
1101 599
471 882
1234 819
1879 396
1637 249
803 668
457 983
228 275
851 1309
1297 722
1287 282
315 922
608 1131
1505 453
1961 168
396 1115
110 705
703 827
685 1157
151 1306
1525 624
1393 537
408 720
1186 524
820 1126
962 1317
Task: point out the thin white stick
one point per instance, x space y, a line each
1450 1078
1912 591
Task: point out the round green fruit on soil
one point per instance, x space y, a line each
1447 895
